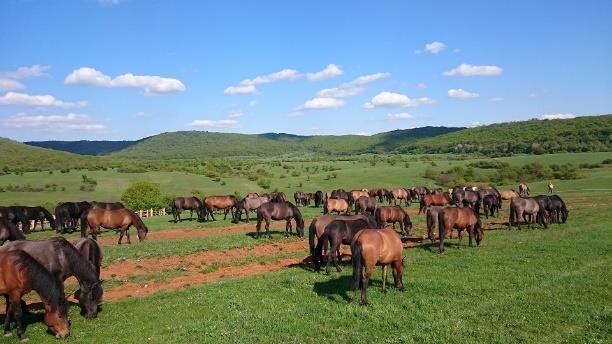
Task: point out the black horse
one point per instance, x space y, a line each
318 198
36 214
107 205
67 215
280 211
490 205
335 234
188 203
16 216
554 206
63 260
8 231
91 251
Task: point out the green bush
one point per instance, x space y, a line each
143 195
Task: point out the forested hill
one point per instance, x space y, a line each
83 147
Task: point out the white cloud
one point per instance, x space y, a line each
27 72
399 116
496 99
285 74
320 103
366 79
391 99
240 89
151 84
15 98
558 116
328 72
221 123
465 69
461 94
70 121
435 47
235 114
339 92
10 84
363 134
476 124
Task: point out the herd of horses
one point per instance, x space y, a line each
358 218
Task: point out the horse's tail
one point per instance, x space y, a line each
59 219
357 261
377 218
318 257
84 223
512 213
421 204
312 234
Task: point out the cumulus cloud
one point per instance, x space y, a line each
465 69
321 103
7 84
391 99
339 92
27 72
399 116
151 84
558 116
461 94
15 98
328 72
496 99
221 123
240 89
435 47
366 79
285 74
70 121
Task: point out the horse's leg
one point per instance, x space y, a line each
335 252
16 306
470 231
268 228
367 273
127 233
7 318
385 267
258 226
190 214
460 234
287 228
397 277
120 236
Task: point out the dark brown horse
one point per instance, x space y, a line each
280 211
429 200
8 231
366 204
338 205
63 260
249 204
393 214
336 233
432 222
188 203
107 205
278 197
225 203
120 220
20 274
372 247
460 219
91 251
318 198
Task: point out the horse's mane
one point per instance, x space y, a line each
83 270
139 219
49 287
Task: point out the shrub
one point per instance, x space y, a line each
142 195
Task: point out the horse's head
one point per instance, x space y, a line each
407 224
143 230
478 232
57 319
89 299
299 221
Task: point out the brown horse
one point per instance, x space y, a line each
225 203
8 231
317 226
120 220
523 189
366 204
355 194
400 194
429 200
280 211
432 222
279 197
20 274
460 219
91 251
376 247
187 203
508 194
393 214
336 204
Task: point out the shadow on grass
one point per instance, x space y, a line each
272 233
334 288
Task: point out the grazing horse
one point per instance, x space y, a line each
340 194
523 189
225 203
429 200
467 198
317 226
36 214
338 205
107 205
15 216
278 197
280 211
336 233
400 194
300 198
318 198
68 213
91 251
372 247
508 195
366 204
63 260
355 194
491 205
20 274
120 220
188 203
520 207
249 204
558 208
551 188
420 191
492 191
393 214
8 231
460 219
432 222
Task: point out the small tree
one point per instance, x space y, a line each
142 195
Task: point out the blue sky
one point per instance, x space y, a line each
126 69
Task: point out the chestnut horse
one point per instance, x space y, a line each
120 220
508 194
91 251
225 203
338 205
336 233
280 211
460 219
187 203
20 274
355 194
372 247
8 231
439 200
393 214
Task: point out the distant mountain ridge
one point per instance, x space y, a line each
83 147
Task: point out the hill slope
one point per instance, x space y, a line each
83 147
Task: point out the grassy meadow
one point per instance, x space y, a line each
528 286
